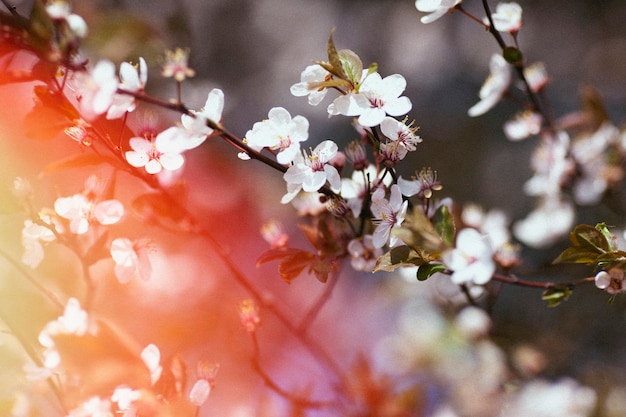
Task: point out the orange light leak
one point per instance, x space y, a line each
190 305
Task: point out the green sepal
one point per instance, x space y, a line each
425 271
556 295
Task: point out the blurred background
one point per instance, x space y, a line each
254 51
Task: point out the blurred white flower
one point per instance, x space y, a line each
523 125
151 357
546 224
363 253
95 89
472 259
436 8
494 86
133 79
507 17
131 259
564 398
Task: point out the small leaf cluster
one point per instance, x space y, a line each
593 246
425 239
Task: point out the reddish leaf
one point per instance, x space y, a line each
291 267
276 254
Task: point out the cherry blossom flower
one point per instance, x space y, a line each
552 164
309 84
93 407
550 221
494 223
279 132
356 154
273 233
33 235
363 253
81 211
537 76
421 185
204 384
212 110
147 153
151 357
494 87
310 172
356 188
176 65
124 397
73 321
471 259
436 8
612 281
249 315
60 10
561 398
376 98
523 125
507 17
131 259
473 323
595 173
133 79
194 129
95 89
306 204
390 153
388 215
400 132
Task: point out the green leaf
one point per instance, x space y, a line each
336 66
41 27
444 225
611 258
400 256
352 65
425 271
589 238
419 234
577 255
556 295
610 239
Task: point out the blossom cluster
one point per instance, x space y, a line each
357 202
